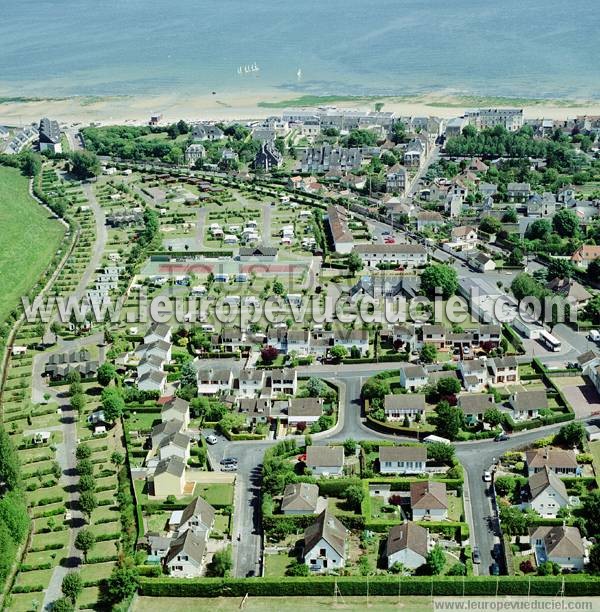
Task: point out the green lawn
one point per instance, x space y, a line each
595 450
215 494
29 239
275 565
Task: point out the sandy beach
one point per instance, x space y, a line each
247 106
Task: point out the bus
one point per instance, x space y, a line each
549 341
433 438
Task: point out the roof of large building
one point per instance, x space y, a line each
328 528
339 224
49 131
407 536
405 249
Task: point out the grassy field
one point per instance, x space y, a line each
29 239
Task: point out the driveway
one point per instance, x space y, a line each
581 394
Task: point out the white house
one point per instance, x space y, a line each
305 410
413 377
548 493
197 516
428 500
325 460
158 331
504 370
175 445
325 543
397 407
358 338
402 459
251 382
212 381
300 498
408 545
186 555
527 404
559 544
284 381
406 255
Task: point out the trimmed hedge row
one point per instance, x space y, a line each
574 585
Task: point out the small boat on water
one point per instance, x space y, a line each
299 74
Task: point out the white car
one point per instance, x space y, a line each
211 439
487 477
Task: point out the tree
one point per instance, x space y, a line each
436 560
439 276
72 585
87 503
493 416
62 604
269 354
78 402
297 568
548 568
591 512
594 559
566 223
448 386
560 268
338 352
122 584
278 288
350 447
10 473
85 164
314 386
75 388
538 230
83 452
106 374
85 541
514 521
87 482
117 458
85 466
428 353
31 163
509 216
525 285
113 404
449 420
232 422
515 257
354 263
440 452
592 309
375 388
354 495
13 514
505 485
572 434
457 569
490 225
221 564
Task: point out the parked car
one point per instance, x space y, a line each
594 335
212 439
229 467
501 438
487 477
229 461
495 569
476 555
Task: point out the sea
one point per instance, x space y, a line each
507 48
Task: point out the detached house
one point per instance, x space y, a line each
256 410
518 192
428 500
559 544
325 460
408 545
504 370
397 407
325 543
527 404
185 558
475 405
197 516
300 498
305 410
560 461
548 493
464 237
402 459
413 377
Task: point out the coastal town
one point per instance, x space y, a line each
211 395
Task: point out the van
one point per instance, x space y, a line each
594 335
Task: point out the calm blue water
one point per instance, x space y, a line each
532 48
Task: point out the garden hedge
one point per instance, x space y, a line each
574 585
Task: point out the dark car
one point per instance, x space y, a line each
495 569
476 556
229 461
501 438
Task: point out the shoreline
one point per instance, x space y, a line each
17 111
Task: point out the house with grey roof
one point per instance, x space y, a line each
559 544
325 460
399 406
49 136
197 516
475 405
402 459
407 544
413 377
547 493
304 410
176 409
185 558
301 498
168 477
527 404
325 544
562 462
